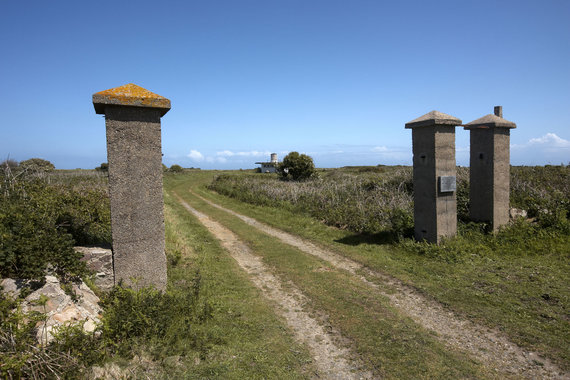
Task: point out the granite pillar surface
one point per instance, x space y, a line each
489 169
132 118
434 172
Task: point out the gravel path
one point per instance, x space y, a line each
332 361
488 346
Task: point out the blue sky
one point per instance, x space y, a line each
334 79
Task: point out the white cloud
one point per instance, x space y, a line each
380 149
547 149
251 153
220 160
549 140
195 155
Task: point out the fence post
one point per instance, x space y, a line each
132 119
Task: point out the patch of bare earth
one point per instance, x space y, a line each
486 345
332 361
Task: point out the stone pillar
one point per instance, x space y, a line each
132 118
435 204
489 172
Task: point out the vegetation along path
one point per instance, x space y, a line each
331 359
487 346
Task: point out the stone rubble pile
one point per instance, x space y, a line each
58 307
61 309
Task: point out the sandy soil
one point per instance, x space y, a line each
488 346
332 360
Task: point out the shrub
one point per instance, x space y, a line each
86 215
463 194
155 317
297 166
176 169
10 164
368 201
103 167
31 240
37 165
364 203
543 192
163 324
40 224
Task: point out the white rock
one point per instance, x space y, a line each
100 261
10 288
61 310
517 213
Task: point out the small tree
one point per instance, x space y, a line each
176 169
37 165
103 168
297 166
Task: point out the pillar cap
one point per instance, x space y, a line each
129 95
490 121
434 118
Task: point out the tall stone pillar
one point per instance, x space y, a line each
489 172
435 204
132 119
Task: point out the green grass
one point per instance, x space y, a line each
249 341
516 282
389 344
211 323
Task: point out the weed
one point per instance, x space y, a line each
364 203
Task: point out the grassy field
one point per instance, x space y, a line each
246 340
213 323
388 344
516 281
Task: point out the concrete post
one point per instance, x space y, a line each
489 172
435 204
132 118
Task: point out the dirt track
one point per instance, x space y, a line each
331 359
490 347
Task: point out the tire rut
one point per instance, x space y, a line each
330 359
486 345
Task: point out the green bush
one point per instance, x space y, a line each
543 192
86 215
10 164
372 201
297 166
160 319
36 165
161 324
363 202
176 169
40 224
32 241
